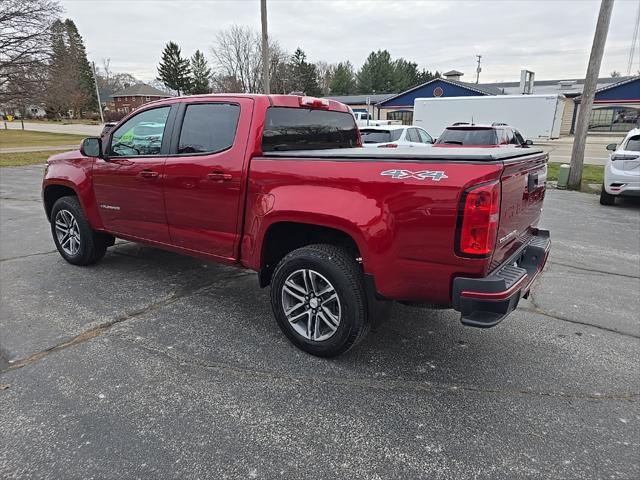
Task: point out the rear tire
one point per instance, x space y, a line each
74 238
319 301
606 198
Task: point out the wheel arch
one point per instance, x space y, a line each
282 237
53 192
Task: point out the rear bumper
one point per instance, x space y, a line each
485 302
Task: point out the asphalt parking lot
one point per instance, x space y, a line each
153 365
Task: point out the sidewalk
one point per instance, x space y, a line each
592 138
74 128
45 148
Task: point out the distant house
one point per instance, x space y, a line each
130 98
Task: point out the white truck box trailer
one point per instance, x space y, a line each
537 117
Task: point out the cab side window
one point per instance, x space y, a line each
519 138
208 127
412 135
141 135
424 136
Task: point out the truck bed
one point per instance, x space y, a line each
400 206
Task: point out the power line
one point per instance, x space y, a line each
634 41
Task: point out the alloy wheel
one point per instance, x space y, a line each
311 305
67 232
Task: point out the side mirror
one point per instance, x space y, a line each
528 142
91 147
612 147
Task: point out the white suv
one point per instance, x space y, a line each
622 170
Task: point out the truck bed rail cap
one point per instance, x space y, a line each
449 153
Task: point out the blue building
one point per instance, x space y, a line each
616 107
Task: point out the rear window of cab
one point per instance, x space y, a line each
308 129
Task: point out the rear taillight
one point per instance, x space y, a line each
388 145
480 217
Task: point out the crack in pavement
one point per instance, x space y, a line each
21 199
104 327
593 270
389 384
27 256
541 311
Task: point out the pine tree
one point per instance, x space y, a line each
303 74
59 83
85 97
406 75
377 73
200 74
174 71
344 80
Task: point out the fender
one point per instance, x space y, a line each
72 170
348 211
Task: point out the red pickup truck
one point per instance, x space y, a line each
279 184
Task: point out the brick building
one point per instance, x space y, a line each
135 96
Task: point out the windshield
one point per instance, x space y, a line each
379 136
468 136
308 129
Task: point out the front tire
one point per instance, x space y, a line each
606 198
319 301
74 238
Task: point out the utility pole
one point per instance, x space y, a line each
478 70
265 47
95 81
588 93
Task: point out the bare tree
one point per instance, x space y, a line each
24 47
279 68
237 55
325 72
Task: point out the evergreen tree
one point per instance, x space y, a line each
344 80
200 74
59 83
174 71
406 75
304 77
377 73
85 97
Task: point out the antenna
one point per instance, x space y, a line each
478 70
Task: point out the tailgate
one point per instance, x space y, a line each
523 187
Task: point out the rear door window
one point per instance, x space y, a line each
208 127
424 136
412 135
519 138
308 129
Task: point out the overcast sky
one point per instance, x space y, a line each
551 37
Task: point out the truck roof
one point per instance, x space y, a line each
289 101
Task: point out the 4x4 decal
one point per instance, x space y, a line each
436 176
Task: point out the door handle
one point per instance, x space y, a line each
220 177
148 174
